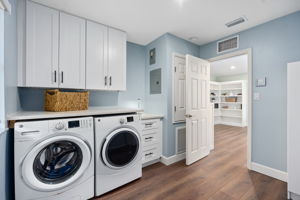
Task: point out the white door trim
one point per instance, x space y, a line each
173 85
249 128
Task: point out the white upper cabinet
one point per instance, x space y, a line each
72 52
116 59
65 51
96 56
42 46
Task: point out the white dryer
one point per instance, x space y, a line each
118 152
54 159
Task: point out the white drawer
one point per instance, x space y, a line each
150 124
150 137
150 153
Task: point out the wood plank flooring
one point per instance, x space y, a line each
222 175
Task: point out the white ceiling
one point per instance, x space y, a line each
145 20
222 67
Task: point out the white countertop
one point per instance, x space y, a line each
145 116
92 111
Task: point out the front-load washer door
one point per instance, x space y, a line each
120 148
55 163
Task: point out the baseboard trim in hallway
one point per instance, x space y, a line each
280 175
172 159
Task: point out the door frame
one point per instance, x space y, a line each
247 52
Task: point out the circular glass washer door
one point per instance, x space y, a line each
120 148
56 163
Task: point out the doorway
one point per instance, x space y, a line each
231 74
236 104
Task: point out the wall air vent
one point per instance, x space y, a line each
180 139
228 44
236 22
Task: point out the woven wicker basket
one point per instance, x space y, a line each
231 99
58 101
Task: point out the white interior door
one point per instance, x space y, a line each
179 89
198 109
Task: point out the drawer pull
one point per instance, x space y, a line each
149 124
148 154
148 138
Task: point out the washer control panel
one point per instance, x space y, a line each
71 124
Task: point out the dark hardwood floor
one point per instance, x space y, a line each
222 175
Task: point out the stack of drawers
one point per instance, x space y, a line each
151 139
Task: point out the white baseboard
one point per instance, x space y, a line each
275 173
172 159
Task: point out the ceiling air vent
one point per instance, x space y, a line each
228 44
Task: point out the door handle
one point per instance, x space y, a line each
188 115
105 80
110 81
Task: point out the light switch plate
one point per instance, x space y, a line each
261 82
256 96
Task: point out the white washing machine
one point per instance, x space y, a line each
54 159
118 151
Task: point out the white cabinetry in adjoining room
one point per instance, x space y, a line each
65 51
230 102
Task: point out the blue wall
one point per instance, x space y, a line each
10 59
33 98
11 100
274 44
165 46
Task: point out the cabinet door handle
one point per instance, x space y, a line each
148 154
55 76
148 138
62 77
105 80
110 81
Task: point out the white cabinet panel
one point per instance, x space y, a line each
42 25
96 56
116 59
72 52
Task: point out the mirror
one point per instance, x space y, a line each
155 81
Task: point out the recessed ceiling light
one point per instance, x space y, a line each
232 67
193 38
180 2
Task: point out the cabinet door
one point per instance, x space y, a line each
42 25
72 52
96 56
116 59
